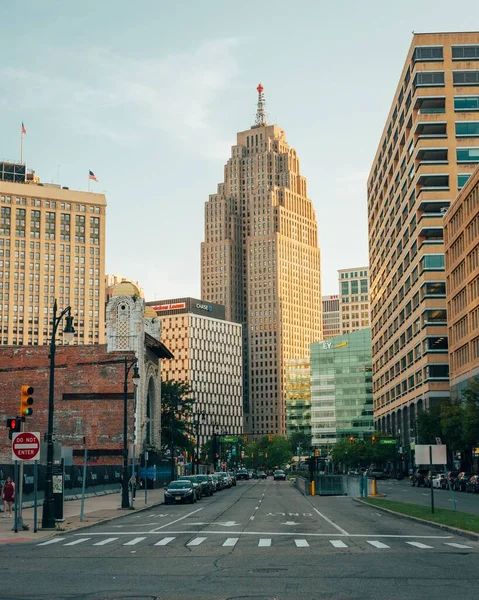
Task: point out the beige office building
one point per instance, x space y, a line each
331 317
425 155
461 237
260 258
354 309
52 245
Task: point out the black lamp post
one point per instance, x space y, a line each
125 500
174 405
48 515
200 420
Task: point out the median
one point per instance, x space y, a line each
441 516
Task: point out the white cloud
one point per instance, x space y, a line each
104 94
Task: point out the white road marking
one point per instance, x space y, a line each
256 507
264 543
457 545
418 545
176 521
196 542
164 541
289 523
107 541
338 543
134 541
423 494
301 543
331 522
377 544
231 542
54 541
251 518
75 542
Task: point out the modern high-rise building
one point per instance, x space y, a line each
424 157
354 299
260 258
341 388
298 396
52 245
331 317
208 356
461 236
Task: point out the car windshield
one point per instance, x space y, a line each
179 485
189 478
279 472
202 477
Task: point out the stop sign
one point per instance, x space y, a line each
26 446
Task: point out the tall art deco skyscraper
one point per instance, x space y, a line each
260 258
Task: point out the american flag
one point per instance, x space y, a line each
92 176
24 131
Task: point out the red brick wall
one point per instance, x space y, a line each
82 371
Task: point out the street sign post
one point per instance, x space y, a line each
387 441
26 446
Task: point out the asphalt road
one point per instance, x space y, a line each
261 540
404 492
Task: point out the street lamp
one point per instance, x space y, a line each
125 500
174 406
200 420
48 515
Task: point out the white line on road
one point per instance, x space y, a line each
54 541
176 521
196 542
107 541
251 518
275 533
338 543
256 507
344 532
134 541
377 544
418 545
164 541
264 543
75 542
457 545
423 494
231 542
301 543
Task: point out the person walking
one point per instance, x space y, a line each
8 496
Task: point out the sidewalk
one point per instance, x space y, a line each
97 509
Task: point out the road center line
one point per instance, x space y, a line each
343 531
176 521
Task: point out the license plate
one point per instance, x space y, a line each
177 497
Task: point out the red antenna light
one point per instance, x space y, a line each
259 88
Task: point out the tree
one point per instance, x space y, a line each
428 423
173 395
298 438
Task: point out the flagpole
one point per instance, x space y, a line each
88 181
21 146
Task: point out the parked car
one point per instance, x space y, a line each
418 477
260 474
461 481
251 473
218 482
242 474
180 491
279 475
233 477
196 484
207 485
375 474
227 482
473 484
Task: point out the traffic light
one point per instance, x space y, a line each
351 440
245 439
316 452
270 437
373 439
14 424
26 401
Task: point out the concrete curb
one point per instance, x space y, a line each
468 534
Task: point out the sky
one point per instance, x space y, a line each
149 95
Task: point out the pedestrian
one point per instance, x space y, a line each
132 485
8 496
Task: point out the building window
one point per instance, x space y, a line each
465 77
435 288
429 79
466 103
428 53
462 180
437 372
344 288
467 155
465 53
467 128
433 262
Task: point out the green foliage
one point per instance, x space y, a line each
174 394
363 452
263 453
300 439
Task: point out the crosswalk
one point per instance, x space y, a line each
262 542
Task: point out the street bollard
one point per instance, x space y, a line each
312 488
374 489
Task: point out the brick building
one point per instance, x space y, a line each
88 397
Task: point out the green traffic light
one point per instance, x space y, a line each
28 412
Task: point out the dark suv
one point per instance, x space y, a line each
242 474
419 477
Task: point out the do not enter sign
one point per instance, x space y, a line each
26 446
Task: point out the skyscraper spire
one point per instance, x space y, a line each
260 120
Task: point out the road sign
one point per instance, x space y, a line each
26 446
387 441
229 440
